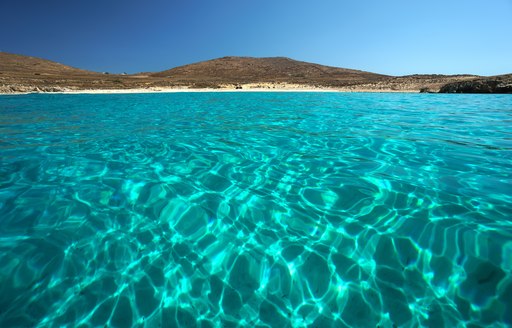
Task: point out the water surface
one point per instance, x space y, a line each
256 209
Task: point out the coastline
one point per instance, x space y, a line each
201 90
26 75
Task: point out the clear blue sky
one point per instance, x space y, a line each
392 37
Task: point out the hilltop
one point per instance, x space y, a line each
243 70
30 74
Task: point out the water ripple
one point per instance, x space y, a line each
256 209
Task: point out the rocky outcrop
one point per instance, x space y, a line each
409 83
493 84
15 89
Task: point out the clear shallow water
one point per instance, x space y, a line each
254 209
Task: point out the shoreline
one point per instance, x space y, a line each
203 90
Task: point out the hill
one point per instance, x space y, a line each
20 73
243 70
23 65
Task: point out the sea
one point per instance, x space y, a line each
249 209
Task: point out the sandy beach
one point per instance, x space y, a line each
181 90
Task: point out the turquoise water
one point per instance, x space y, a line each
256 210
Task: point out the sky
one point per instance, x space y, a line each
394 37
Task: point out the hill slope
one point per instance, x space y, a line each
229 70
20 73
18 64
